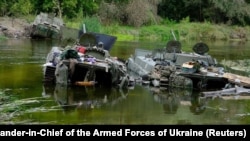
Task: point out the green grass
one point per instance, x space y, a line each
184 31
3 38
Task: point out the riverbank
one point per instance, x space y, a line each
20 28
14 27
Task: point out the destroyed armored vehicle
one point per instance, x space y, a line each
170 66
88 63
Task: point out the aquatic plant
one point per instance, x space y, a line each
11 107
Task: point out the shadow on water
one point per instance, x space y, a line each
70 98
83 98
86 100
169 105
172 98
90 105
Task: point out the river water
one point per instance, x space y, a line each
21 77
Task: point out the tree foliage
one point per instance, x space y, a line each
237 11
110 12
131 12
216 11
135 12
23 7
172 9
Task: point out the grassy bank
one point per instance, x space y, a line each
184 30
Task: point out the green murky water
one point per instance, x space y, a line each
21 77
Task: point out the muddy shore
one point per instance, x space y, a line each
14 28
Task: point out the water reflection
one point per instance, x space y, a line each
83 98
172 98
21 71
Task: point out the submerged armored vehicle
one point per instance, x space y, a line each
47 26
172 67
87 63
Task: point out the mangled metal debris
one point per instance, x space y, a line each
171 66
85 64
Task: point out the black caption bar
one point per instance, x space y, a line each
196 131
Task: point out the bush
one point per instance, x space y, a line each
92 24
